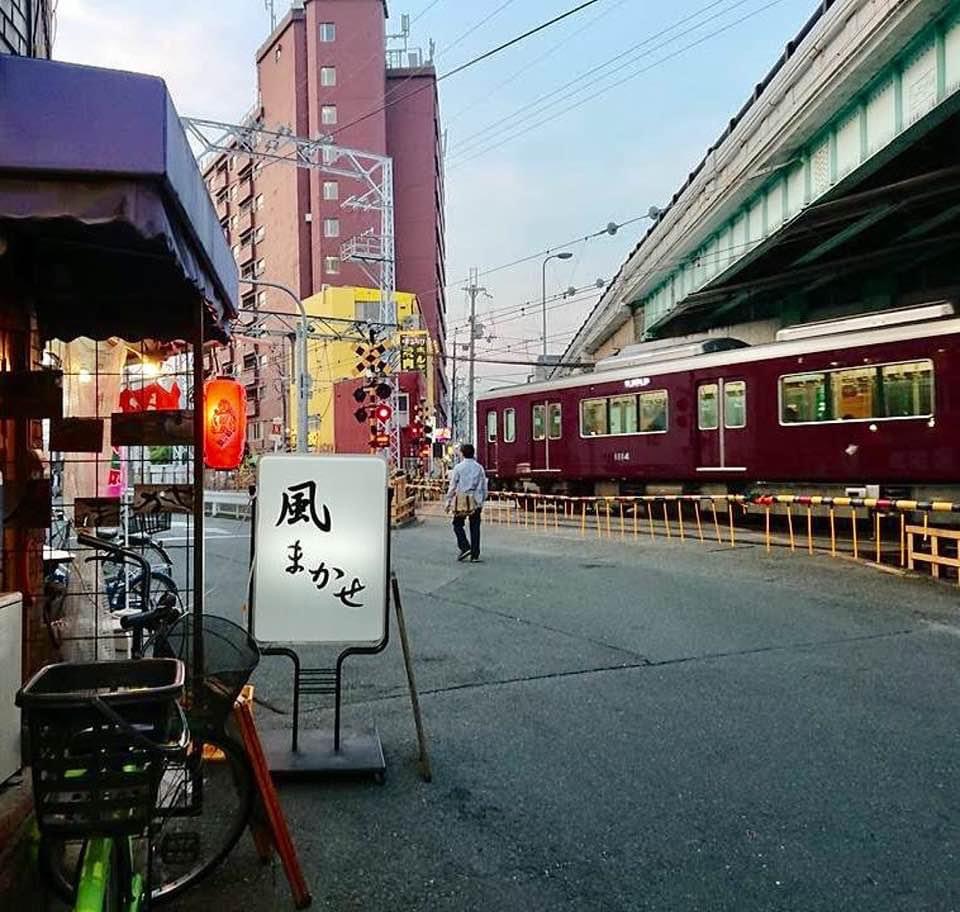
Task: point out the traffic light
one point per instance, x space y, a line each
383 413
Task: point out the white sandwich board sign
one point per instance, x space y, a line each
321 549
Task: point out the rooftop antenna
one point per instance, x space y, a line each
268 5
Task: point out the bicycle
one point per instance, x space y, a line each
101 735
188 839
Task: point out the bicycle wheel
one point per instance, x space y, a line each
190 836
193 836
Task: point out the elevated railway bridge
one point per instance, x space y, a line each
834 190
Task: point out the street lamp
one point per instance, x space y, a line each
553 256
303 369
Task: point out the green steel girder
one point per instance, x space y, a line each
916 89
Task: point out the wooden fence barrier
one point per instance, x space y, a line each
934 558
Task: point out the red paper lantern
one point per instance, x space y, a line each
225 423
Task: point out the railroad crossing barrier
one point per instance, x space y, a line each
873 530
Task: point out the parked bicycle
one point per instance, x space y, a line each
101 736
204 799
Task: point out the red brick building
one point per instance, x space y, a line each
323 72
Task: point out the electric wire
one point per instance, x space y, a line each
619 82
470 63
578 79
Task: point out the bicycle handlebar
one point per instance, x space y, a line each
100 544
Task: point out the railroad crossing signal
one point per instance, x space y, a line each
372 361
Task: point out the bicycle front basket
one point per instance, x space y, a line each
90 774
230 656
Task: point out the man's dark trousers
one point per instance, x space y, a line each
473 545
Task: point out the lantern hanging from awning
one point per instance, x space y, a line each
225 423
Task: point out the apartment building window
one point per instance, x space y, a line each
331 265
258 202
256 430
249 361
328 114
331 228
331 190
258 268
246 237
328 76
328 32
261 299
259 233
236 250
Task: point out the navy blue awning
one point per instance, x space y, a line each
100 194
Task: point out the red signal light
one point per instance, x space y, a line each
383 413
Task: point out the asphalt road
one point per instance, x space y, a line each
620 726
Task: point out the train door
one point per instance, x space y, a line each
721 422
545 430
493 447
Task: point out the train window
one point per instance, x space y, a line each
509 425
653 412
854 393
803 398
623 415
593 417
554 427
491 427
735 404
539 423
707 419
907 389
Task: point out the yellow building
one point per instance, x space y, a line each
331 360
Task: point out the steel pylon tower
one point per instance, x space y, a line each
376 253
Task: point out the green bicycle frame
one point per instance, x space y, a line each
94 881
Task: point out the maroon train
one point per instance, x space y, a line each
870 401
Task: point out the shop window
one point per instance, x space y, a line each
653 412
707 418
908 389
623 415
509 425
491 427
735 404
539 422
554 425
593 417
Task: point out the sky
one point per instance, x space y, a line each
591 121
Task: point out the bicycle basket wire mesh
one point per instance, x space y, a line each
91 775
230 656
150 523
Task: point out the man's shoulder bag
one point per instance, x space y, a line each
464 504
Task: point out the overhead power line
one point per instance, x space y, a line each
578 80
483 151
470 63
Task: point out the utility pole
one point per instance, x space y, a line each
472 290
453 388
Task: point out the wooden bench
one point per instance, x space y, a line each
934 558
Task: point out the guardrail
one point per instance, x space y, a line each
861 528
233 504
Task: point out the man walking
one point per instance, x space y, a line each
466 494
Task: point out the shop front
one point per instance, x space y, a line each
114 277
